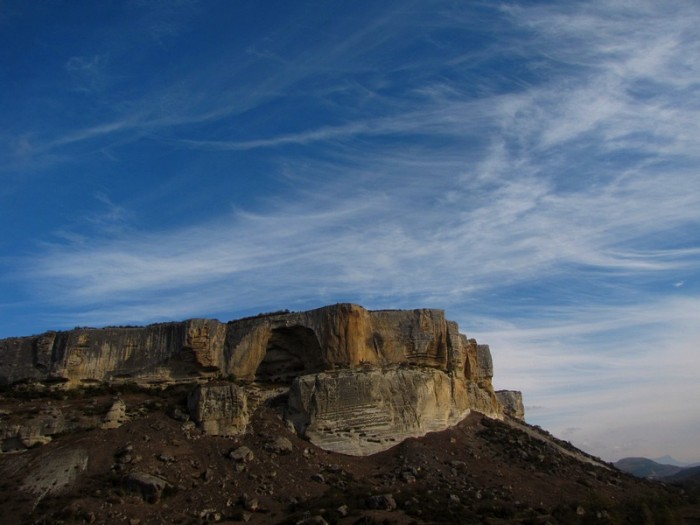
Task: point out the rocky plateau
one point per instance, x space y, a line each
355 381
334 415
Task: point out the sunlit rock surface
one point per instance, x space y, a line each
360 412
359 381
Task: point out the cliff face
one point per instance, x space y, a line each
152 354
266 348
359 380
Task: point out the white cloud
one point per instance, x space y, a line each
577 181
614 372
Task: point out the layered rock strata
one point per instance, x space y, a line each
359 381
362 412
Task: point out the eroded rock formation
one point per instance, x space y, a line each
220 410
512 403
366 411
359 381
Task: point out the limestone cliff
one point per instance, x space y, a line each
358 380
366 411
155 353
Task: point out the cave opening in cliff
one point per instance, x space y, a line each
290 352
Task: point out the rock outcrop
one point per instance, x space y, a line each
148 486
220 410
512 403
115 416
362 412
359 381
31 430
54 472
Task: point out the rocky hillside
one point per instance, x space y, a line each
337 415
132 456
687 476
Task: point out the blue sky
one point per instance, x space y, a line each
531 167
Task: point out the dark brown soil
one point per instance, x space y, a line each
481 471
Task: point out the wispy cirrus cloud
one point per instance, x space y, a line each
87 72
616 369
345 238
541 183
576 168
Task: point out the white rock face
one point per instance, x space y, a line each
361 412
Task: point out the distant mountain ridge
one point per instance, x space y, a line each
670 460
646 468
650 469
